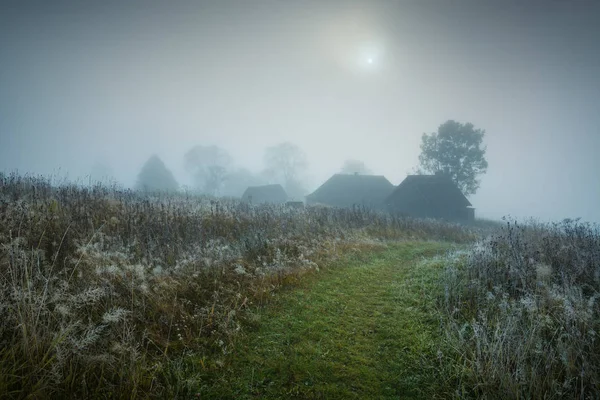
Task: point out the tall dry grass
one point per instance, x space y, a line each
521 312
106 292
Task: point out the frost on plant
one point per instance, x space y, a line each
528 296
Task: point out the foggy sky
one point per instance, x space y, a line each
114 82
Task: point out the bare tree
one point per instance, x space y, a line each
208 166
285 163
238 180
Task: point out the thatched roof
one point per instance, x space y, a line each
436 191
265 194
343 190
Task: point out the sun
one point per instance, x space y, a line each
368 55
369 61
354 41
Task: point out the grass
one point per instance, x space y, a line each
107 292
365 328
521 313
111 293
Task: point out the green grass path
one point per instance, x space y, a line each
365 329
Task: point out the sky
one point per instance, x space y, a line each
113 82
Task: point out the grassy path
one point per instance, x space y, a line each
362 330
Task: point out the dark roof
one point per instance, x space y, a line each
437 191
343 190
265 194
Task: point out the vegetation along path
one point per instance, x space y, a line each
365 329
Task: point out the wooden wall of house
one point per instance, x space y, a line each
422 210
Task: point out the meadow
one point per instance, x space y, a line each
104 290
108 292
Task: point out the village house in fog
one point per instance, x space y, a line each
272 194
343 190
430 196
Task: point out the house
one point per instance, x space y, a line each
342 190
273 194
430 196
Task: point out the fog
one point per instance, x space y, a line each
113 82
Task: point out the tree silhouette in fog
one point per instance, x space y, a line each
238 180
209 167
455 149
285 163
155 176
